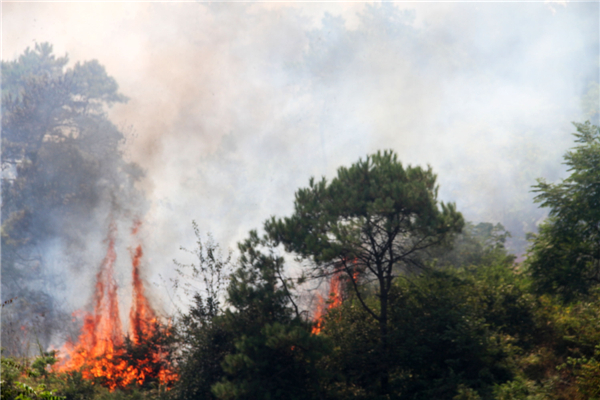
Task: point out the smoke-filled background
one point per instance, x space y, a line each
234 106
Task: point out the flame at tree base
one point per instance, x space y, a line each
102 353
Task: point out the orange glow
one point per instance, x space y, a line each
334 300
337 287
142 318
99 352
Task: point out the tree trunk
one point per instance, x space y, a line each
383 338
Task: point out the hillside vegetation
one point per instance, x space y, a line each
414 302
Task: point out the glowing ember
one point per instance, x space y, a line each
100 351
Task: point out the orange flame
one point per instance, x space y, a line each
337 287
142 318
335 300
99 352
144 326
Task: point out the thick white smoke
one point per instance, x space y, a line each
233 106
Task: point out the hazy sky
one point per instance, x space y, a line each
233 106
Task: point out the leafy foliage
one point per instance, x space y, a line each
35 379
204 339
275 355
443 336
280 362
564 258
477 245
374 219
23 382
204 279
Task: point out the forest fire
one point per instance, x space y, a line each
102 352
338 289
334 300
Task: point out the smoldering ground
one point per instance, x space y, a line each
233 106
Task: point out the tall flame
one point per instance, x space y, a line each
337 288
99 352
144 325
334 300
142 318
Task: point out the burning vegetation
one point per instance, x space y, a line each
102 352
426 305
337 292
